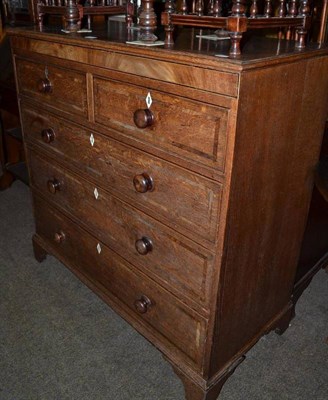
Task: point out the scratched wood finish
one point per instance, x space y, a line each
178 124
181 197
120 226
266 113
68 88
125 283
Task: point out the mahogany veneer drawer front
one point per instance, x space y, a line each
157 309
182 265
61 88
182 197
189 128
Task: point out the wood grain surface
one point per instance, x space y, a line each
198 201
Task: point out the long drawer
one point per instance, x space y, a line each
61 88
178 263
164 316
194 130
185 199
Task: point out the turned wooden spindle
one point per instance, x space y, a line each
40 18
210 7
217 10
184 7
282 9
254 10
301 35
147 22
268 9
167 23
304 11
235 38
292 9
72 16
200 8
129 13
237 24
292 12
238 8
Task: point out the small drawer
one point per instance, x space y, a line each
184 198
175 261
158 312
191 129
58 87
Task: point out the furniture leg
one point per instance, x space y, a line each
39 252
284 321
195 392
6 180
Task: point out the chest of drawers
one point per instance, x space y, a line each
175 184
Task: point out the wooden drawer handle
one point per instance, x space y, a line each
48 135
143 304
143 183
44 86
143 118
144 245
59 237
53 185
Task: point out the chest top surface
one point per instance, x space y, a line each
189 48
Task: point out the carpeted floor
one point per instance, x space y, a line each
58 341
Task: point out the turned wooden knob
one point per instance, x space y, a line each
144 245
143 183
48 135
59 237
143 304
44 85
143 118
53 185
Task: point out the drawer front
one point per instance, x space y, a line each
166 317
58 87
189 128
183 198
180 264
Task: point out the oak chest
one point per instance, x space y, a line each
175 184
